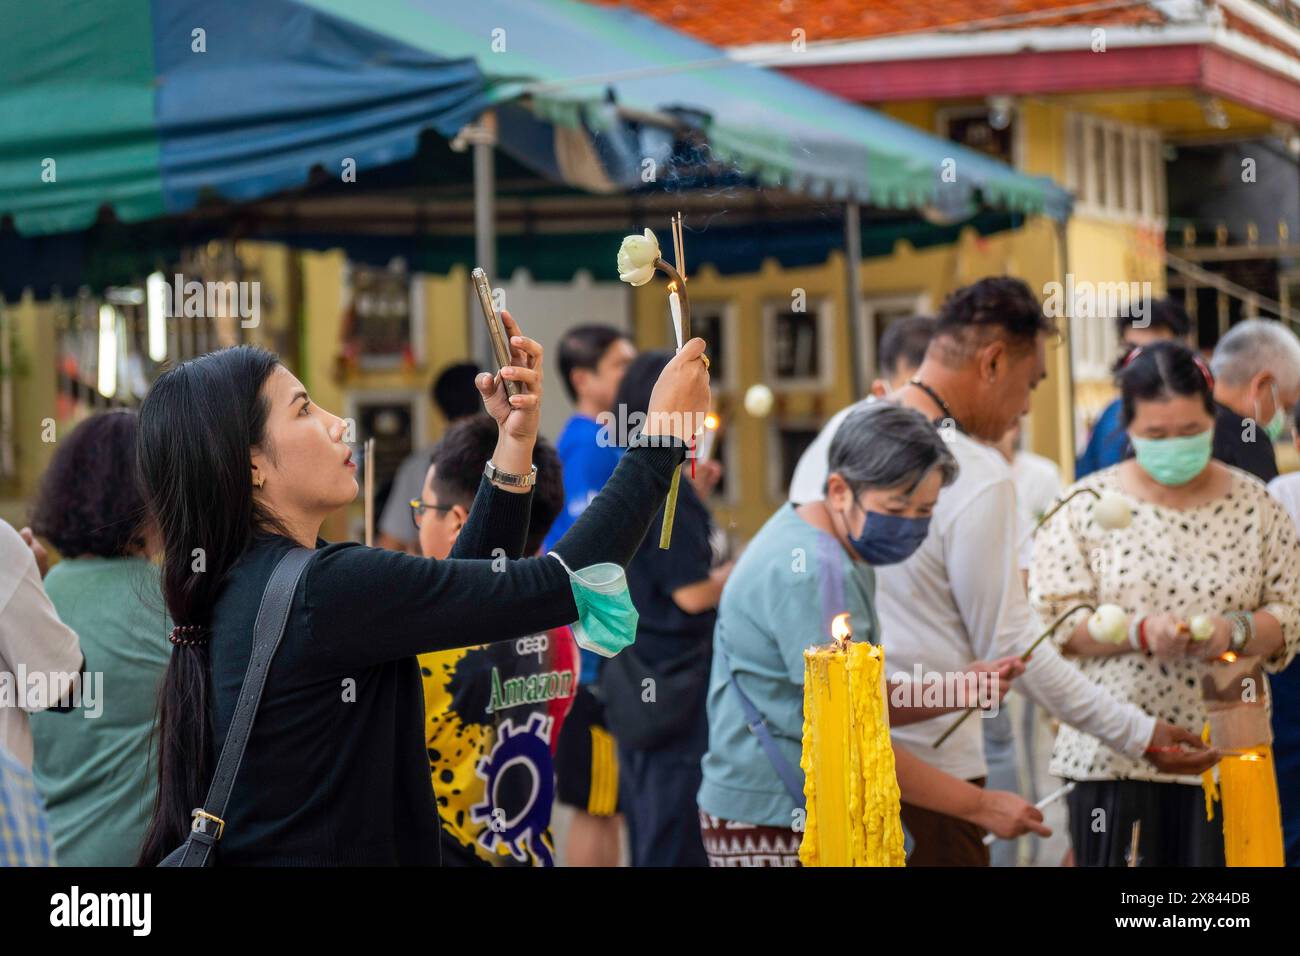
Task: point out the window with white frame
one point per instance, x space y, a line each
716 323
787 440
797 344
1115 169
876 315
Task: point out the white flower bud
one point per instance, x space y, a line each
1112 512
1202 626
1108 624
636 258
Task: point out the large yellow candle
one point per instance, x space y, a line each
1238 723
1252 814
848 763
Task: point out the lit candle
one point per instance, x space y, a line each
1252 813
848 762
675 306
705 450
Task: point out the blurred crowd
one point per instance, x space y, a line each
916 510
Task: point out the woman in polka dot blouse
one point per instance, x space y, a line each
1205 539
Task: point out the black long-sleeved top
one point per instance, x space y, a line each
335 772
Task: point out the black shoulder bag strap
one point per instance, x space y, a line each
272 616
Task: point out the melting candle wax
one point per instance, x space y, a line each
848 762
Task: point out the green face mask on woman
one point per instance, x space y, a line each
1174 461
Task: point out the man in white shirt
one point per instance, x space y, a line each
960 598
40 656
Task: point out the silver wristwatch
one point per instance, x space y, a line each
492 473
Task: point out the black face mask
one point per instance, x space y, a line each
888 539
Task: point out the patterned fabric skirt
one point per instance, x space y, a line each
729 843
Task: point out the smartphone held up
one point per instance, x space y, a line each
496 329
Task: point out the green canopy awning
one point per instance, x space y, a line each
146 108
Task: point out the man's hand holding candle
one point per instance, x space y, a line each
1008 815
517 417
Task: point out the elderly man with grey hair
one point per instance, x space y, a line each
1256 370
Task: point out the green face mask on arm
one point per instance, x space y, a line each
607 618
1174 461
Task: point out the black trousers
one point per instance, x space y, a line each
1173 830
658 800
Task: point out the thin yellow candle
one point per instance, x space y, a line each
850 784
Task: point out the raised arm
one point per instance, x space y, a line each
367 605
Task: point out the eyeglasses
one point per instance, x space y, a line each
418 508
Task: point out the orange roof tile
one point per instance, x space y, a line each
729 23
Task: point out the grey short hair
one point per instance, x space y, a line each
886 446
1258 345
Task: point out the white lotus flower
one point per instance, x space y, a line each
636 258
1112 512
1109 624
1202 626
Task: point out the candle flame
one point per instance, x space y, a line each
672 286
840 629
1228 657
710 421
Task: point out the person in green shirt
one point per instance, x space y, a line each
92 761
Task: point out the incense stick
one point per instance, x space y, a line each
369 465
683 333
1024 658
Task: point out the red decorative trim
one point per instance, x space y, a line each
1197 66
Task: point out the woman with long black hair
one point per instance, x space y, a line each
239 467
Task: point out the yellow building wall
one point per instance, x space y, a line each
34 403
